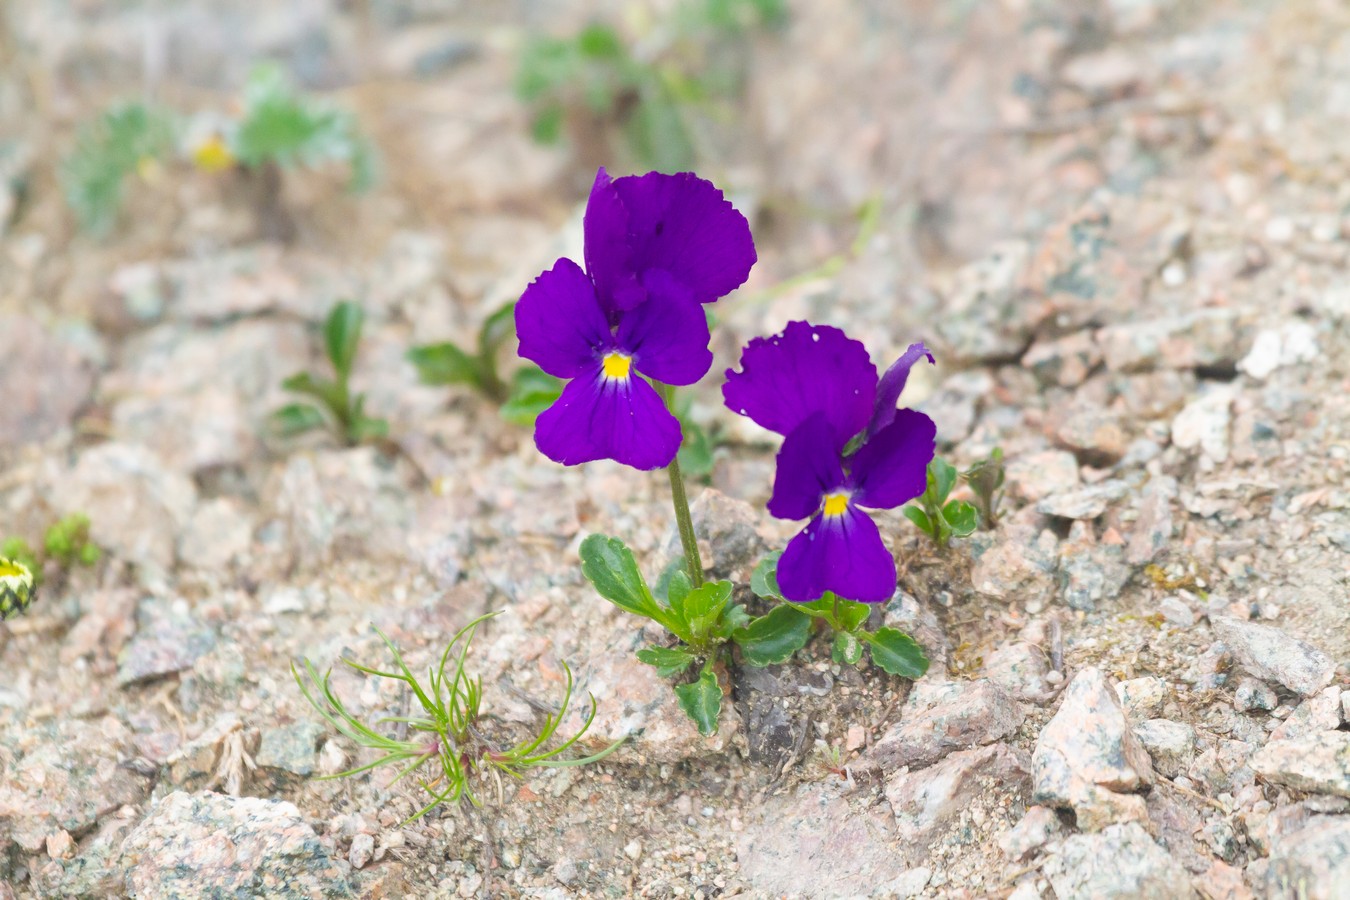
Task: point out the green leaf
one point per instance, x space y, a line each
296 418
773 638
667 660
327 392
896 652
342 334
118 144
610 567
496 329
852 614
532 392
764 580
703 606
365 428
941 479
702 701
696 452
843 615
961 516
443 364
847 649
919 518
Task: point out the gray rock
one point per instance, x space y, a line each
1089 573
1094 434
1019 668
1142 698
1153 528
1066 362
940 717
953 407
1088 752
1319 763
731 528
987 316
1202 339
1313 863
290 748
1030 833
1170 745
361 851
1204 424
1120 862
43 380
1034 476
1175 610
927 800
1251 694
162 646
211 845
1320 712
1085 502
1016 561
1272 655
219 534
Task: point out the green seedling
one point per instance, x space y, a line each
532 391
447 364
132 139
452 732
66 544
338 408
986 483
936 516
891 649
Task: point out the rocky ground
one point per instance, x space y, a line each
1121 226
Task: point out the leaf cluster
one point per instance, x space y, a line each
986 483
66 543
936 516
337 408
449 731
132 138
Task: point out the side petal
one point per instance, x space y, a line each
668 335
608 418
609 247
893 383
683 224
843 554
892 467
808 468
560 323
802 370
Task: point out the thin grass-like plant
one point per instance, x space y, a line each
449 730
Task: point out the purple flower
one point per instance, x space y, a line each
657 248
818 387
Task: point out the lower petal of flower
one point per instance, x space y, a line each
600 416
840 553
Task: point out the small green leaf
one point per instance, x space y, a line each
734 619
919 518
843 615
532 392
702 701
896 652
696 452
773 638
342 334
961 516
609 565
764 580
941 479
368 429
851 614
329 393
703 606
847 649
667 660
296 418
676 592
442 364
495 330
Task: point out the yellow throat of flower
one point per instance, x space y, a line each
836 503
9 567
616 365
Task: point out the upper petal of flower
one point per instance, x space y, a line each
683 224
600 417
560 323
892 383
892 467
668 335
843 554
609 247
808 468
805 369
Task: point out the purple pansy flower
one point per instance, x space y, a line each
818 388
657 248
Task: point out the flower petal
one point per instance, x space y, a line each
892 467
560 323
668 335
843 554
808 468
683 224
893 383
609 247
805 369
622 419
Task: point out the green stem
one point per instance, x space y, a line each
680 500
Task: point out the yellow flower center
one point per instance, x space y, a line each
213 155
616 365
8 568
836 503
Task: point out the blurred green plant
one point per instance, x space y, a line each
446 364
338 409
936 516
66 544
133 138
451 729
690 63
986 483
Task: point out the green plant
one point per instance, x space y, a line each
66 543
532 391
338 408
986 483
129 139
451 730
446 364
936 516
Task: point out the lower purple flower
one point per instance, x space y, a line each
818 387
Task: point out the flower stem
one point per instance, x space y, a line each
680 500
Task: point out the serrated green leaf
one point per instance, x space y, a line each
773 638
701 701
703 606
733 619
852 615
342 335
611 568
445 364
532 392
296 418
919 518
961 516
847 649
941 479
668 661
896 652
764 580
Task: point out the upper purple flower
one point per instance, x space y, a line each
657 247
818 387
